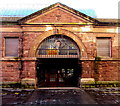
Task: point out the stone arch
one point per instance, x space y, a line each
46 34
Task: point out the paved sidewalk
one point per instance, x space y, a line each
51 96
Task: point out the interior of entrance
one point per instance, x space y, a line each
54 72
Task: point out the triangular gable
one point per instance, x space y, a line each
57 13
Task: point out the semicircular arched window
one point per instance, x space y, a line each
58 45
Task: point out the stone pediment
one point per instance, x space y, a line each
56 16
57 13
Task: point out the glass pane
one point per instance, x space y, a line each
61 80
58 45
53 77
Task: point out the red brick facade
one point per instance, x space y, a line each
84 30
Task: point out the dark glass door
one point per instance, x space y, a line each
57 73
54 78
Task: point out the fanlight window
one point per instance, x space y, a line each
58 45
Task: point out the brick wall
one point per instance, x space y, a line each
87 69
29 69
29 38
10 71
107 70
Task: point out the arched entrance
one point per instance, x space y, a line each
35 44
58 62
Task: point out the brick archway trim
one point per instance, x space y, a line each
40 38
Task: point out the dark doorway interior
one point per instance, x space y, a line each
62 72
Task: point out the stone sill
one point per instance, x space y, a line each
14 59
35 58
101 59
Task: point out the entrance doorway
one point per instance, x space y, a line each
58 72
